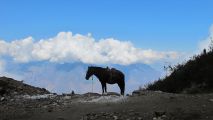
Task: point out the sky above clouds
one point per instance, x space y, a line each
159 25
98 32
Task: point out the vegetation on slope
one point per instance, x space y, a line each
194 76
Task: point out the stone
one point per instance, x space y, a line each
60 118
45 106
163 116
2 99
171 97
159 113
131 110
136 93
115 117
50 109
131 113
139 118
157 118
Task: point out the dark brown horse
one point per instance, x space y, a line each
106 75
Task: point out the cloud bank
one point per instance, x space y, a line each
66 47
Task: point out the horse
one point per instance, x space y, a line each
107 75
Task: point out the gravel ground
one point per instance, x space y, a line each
142 105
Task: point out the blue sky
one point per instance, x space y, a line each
160 25
37 36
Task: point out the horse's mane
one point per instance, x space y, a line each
97 67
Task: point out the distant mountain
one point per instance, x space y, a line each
138 72
66 77
136 75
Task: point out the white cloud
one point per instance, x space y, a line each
204 44
20 50
66 47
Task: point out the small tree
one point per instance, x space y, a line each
169 69
211 44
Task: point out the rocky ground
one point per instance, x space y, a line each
140 105
11 87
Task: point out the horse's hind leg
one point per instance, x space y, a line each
122 88
105 87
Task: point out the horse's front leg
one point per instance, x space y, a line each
105 86
102 88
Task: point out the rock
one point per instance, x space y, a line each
104 114
139 92
45 106
155 118
2 99
211 100
163 116
60 118
113 93
115 117
127 94
131 113
171 97
131 110
54 104
137 113
50 110
136 93
139 118
158 91
159 113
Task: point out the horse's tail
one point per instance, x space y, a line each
123 83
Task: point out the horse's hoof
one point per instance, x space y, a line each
104 94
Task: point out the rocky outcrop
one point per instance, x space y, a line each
11 87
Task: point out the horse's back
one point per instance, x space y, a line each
118 72
116 75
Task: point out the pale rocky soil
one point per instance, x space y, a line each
142 105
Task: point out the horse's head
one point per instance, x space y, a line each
89 73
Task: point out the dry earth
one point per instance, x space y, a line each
142 105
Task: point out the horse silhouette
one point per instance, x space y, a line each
107 75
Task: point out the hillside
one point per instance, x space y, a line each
194 76
9 86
